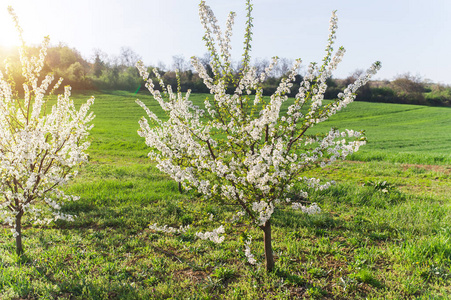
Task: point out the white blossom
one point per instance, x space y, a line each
14 232
167 229
237 216
311 210
247 252
264 210
212 235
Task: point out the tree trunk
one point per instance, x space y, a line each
180 188
268 247
19 248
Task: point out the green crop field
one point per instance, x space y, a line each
365 243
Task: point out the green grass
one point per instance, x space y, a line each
399 133
365 243
395 132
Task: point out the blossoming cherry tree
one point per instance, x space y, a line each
241 148
40 146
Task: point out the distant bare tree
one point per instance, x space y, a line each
410 88
237 66
353 76
408 83
283 66
261 64
205 61
364 93
128 57
100 59
180 63
162 66
102 55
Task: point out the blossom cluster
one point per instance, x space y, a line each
39 144
168 229
213 236
247 252
311 210
264 210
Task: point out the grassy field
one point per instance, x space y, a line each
365 243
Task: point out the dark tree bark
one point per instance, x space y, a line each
19 248
268 247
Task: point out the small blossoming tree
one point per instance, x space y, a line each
242 148
39 146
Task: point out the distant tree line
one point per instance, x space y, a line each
404 89
105 72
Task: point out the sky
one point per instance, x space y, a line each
407 36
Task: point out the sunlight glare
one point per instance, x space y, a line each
32 31
8 34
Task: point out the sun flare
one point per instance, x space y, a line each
9 36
